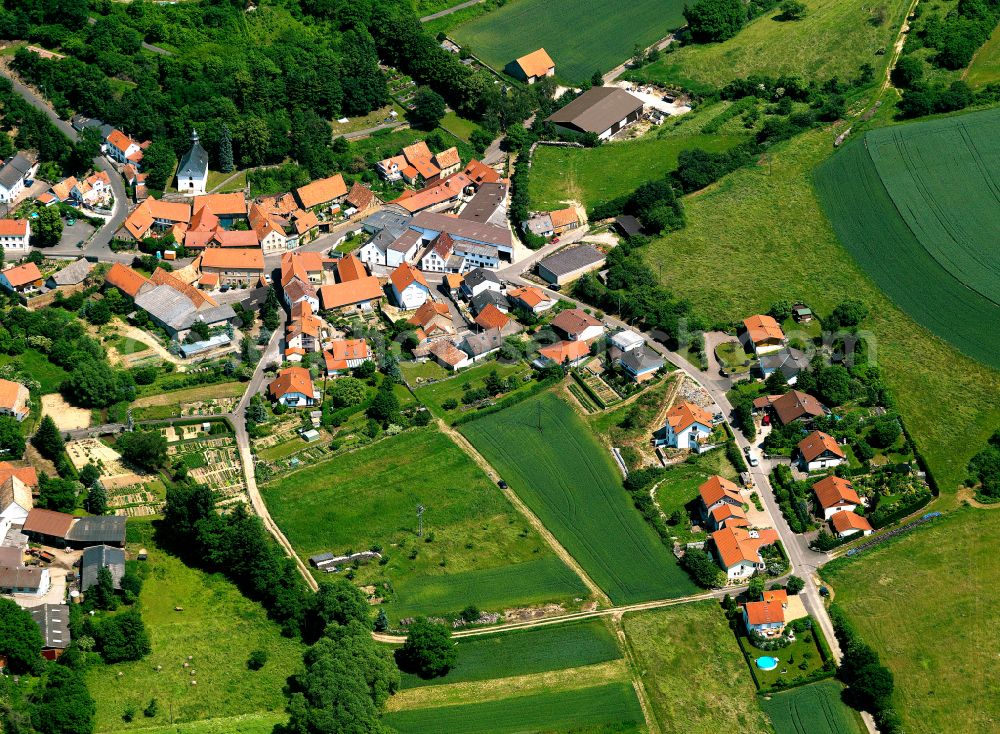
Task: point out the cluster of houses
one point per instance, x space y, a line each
93 192
762 336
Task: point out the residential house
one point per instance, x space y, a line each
794 405
686 427
229 208
301 291
394 168
16 578
15 497
14 399
531 67
627 341
449 356
124 150
569 264
100 556
305 332
350 268
846 523
361 294
15 175
564 353
63 191
479 173
419 156
452 283
449 161
307 269
640 364
270 230
487 298
384 249
294 387
531 299
721 503
480 346
819 451
492 317
789 361
602 111
761 334
70 276
578 325
47 526
236 267
432 321
343 355
95 190
765 618
539 224
737 550
151 217
322 192
99 530
835 495
24 278
444 194
409 288
53 623
479 280
361 201
15 237
564 219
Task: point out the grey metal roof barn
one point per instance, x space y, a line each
488 206
463 229
597 110
572 259
176 311
53 621
97 557
105 529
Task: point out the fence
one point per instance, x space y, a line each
893 533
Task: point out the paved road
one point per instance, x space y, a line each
449 11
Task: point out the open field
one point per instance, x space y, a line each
262 723
36 365
192 394
554 463
581 36
213 610
530 651
771 214
592 175
940 579
610 707
916 205
985 66
834 39
476 549
454 387
815 708
693 670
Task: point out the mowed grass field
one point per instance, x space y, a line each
581 36
556 465
833 39
593 175
985 66
219 627
538 650
926 602
813 709
693 671
918 206
476 548
766 225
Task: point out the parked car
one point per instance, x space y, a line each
752 459
554 240
767 420
502 484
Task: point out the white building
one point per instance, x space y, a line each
15 237
409 288
14 177
192 173
686 427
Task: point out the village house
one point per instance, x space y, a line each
737 550
125 279
819 451
301 275
686 427
489 298
794 405
449 356
322 192
192 171
343 355
16 578
23 279
834 495
15 237
16 486
270 230
236 267
847 523
488 206
492 317
443 195
476 281
721 503
479 173
94 191
602 111
294 388
640 364
151 217
361 294
409 288
432 321
564 353
14 399
531 67
765 618
578 325
482 345
305 332
789 361
761 334
123 149
53 623
531 299
70 277
16 173
569 264
361 201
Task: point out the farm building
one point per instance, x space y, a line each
819 451
569 264
72 275
53 622
102 530
16 578
531 67
47 527
101 556
602 111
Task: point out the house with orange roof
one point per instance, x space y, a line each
293 387
449 161
236 267
531 67
24 278
409 287
492 317
449 356
432 321
229 208
305 331
578 325
269 228
819 451
439 196
765 618
305 266
361 294
761 334
835 494
305 224
125 279
531 299
93 190
479 173
393 169
322 192
737 549
15 236
151 217
564 219
349 268
720 501
419 156
687 427
14 399
63 191
361 201
343 355
123 149
564 354
847 523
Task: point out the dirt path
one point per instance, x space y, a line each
897 48
133 332
965 494
530 516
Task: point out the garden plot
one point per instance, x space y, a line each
173 434
114 474
214 462
605 394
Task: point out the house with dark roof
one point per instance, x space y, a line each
479 280
15 175
101 556
602 111
72 275
790 362
53 623
480 346
192 172
489 298
794 405
570 263
640 364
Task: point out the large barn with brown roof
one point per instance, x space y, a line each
602 111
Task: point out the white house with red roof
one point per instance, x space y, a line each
409 287
577 325
835 494
686 427
721 503
123 149
847 523
293 387
767 617
15 237
819 451
737 550
343 355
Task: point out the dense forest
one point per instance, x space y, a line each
274 74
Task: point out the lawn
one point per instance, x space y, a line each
530 651
678 491
610 707
816 708
262 723
372 119
127 345
592 175
415 372
940 579
36 365
834 39
916 205
174 398
219 628
556 465
796 662
433 396
286 449
458 126
772 215
476 549
581 36
734 357
985 66
235 181
693 671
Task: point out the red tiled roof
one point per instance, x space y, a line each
26 474
537 63
291 380
13 227
833 490
564 351
685 414
762 328
341 351
350 268
816 443
762 612
735 545
223 204
321 191
48 522
846 520
300 265
492 317
480 173
22 274
351 292
717 488
125 279
233 259
406 275
574 321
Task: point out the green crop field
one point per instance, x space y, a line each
581 36
917 206
606 708
985 66
812 709
834 39
476 549
693 670
766 224
569 480
539 650
592 175
940 579
219 627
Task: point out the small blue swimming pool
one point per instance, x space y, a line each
767 663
